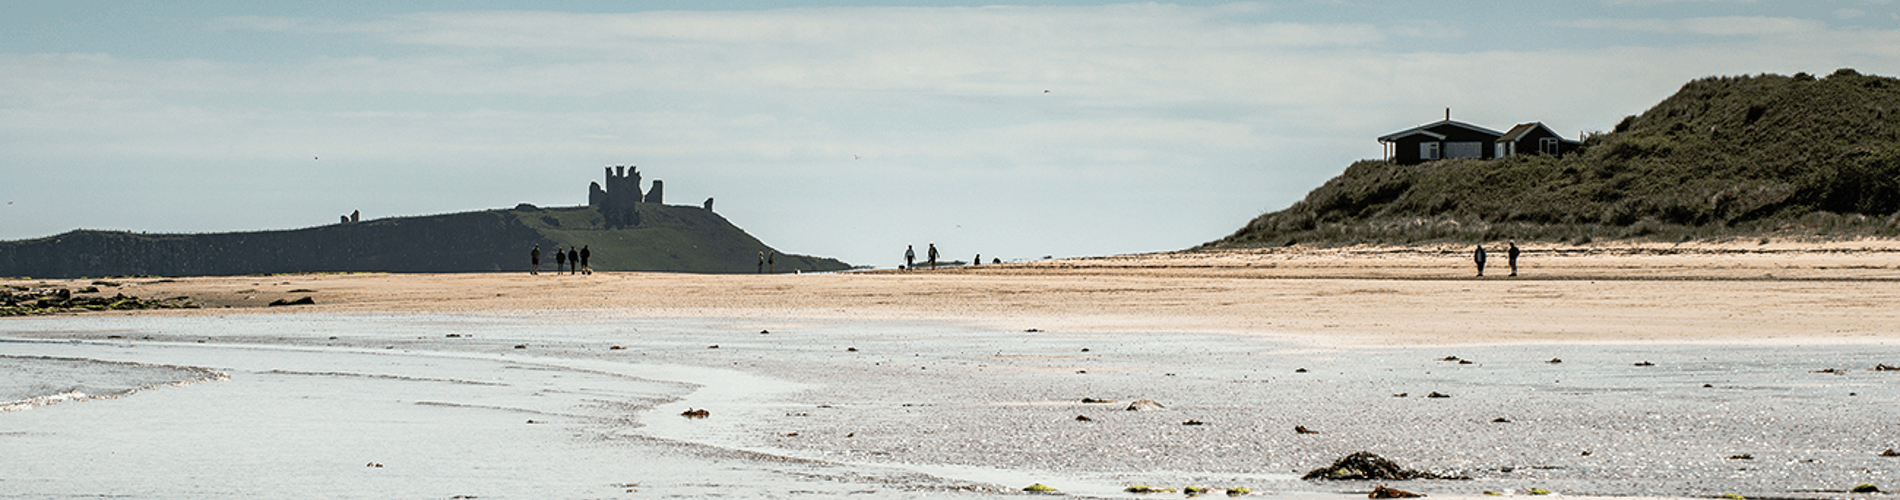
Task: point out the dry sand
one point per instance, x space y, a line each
1758 292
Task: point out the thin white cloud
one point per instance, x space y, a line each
1427 29
1709 26
1849 13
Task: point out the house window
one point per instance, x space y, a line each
1464 150
1548 145
1428 151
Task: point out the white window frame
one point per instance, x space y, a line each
1428 150
1549 145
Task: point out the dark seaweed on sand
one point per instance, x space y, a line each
1367 466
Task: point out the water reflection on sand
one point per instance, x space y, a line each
542 405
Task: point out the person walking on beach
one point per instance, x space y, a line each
534 260
761 262
910 256
560 261
1511 256
932 255
770 256
1478 257
978 261
573 260
586 269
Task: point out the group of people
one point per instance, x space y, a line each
1478 256
572 261
910 257
767 260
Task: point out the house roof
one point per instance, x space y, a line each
1422 129
1522 129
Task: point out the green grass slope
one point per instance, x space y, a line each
670 238
1725 157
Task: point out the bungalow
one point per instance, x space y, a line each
1534 137
1442 139
1455 139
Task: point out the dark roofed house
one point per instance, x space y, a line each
1438 140
1534 137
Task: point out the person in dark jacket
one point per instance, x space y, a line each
534 260
560 261
585 255
573 260
1511 256
1478 257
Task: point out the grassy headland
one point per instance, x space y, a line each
1723 158
669 238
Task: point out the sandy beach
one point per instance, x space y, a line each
1622 371
1797 292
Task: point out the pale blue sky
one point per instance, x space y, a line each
842 129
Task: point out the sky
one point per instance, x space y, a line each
1014 130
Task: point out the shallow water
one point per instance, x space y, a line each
916 410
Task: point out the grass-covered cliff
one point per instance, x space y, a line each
668 238
1724 157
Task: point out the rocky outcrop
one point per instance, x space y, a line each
28 302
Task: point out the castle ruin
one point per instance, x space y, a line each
617 201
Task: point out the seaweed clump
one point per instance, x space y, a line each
1367 466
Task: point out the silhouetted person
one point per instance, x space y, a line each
932 256
910 257
586 254
761 262
1478 257
978 261
769 264
573 260
534 260
996 260
560 260
1511 255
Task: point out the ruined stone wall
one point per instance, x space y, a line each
656 196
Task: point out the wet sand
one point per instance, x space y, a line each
968 382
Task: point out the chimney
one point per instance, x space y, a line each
1447 114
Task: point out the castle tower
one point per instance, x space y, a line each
617 199
655 195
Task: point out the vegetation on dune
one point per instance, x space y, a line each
1724 157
